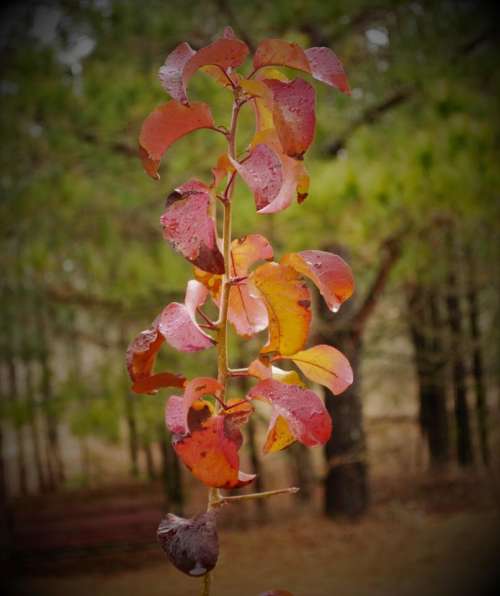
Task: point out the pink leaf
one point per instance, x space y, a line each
183 62
167 124
303 411
177 408
293 115
331 274
178 324
321 62
188 226
262 172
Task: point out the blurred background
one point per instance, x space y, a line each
404 184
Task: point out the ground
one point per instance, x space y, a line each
429 535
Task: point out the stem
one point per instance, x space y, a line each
269 493
222 354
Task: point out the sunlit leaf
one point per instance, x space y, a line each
167 124
263 371
190 229
191 545
331 274
177 408
140 358
297 413
325 365
178 322
262 171
288 303
321 62
293 115
183 62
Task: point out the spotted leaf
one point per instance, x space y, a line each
298 414
190 229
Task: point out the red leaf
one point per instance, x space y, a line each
188 226
192 545
177 408
178 323
210 452
262 172
321 63
293 115
303 411
167 124
331 274
183 62
141 355
326 67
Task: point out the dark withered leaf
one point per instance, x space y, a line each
192 545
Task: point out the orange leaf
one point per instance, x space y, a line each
325 365
331 274
141 356
288 303
167 124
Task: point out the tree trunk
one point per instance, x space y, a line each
259 486
172 473
465 452
149 459
303 471
425 328
477 364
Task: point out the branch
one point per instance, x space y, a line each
370 116
392 251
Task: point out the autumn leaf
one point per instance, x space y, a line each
140 358
177 408
288 303
263 371
331 274
178 325
190 229
210 451
298 414
167 124
182 63
320 62
293 106
262 171
325 365
247 313
191 545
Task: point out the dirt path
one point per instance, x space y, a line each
398 550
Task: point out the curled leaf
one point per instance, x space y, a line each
190 229
325 365
331 274
320 62
191 545
183 62
177 408
293 115
288 303
167 124
178 325
261 371
140 358
297 414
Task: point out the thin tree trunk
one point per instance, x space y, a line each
260 504
172 474
465 452
133 439
148 456
303 471
425 329
477 364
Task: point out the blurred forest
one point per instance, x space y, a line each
404 184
